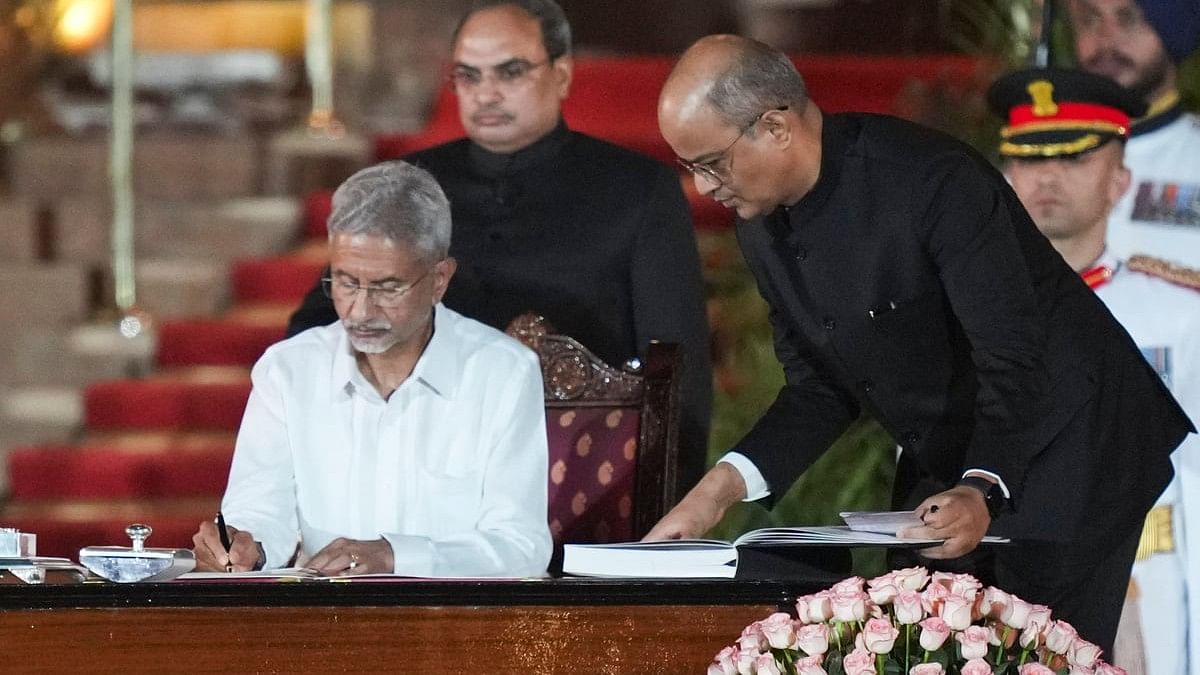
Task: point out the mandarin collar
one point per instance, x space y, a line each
837 133
537 153
437 367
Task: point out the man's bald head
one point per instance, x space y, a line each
738 78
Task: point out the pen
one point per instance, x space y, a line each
224 539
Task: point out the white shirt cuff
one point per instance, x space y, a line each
756 485
412 555
989 474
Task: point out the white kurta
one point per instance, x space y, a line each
451 469
1160 213
1164 320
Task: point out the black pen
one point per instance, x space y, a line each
224 539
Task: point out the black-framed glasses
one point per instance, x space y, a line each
712 170
381 295
511 73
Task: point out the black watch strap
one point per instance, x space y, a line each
993 495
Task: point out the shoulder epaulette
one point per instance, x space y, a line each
1168 271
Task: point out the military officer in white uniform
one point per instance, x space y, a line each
1140 44
1063 155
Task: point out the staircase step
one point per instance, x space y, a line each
166 165
153 467
18 221
37 415
218 231
215 342
189 399
64 527
279 279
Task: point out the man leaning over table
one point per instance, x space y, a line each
906 281
404 438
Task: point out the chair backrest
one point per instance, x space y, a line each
613 435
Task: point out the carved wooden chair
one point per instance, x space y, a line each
613 436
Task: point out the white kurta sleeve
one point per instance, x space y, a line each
261 495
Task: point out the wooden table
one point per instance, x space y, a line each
411 626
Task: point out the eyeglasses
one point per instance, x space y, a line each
712 170
509 74
387 296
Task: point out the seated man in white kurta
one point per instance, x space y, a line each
404 438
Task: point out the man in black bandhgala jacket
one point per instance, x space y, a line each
906 281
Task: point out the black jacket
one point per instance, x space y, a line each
910 283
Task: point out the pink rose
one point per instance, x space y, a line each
1039 615
810 665
779 631
813 640
880 635
752 640
907 607
1103 668
848 585
1034 669
820 607
932 598
965 585
1059 636
911 578
1031 637
934 632
956 611
849 605
745 662
765 665
1083 653
882 593
1016 615
927 669
725 662
974 642
942 579
975 667
994 602
859 662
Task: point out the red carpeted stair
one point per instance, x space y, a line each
157 449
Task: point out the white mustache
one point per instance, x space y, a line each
368 325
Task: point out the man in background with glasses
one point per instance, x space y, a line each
906 282
404 438
595 238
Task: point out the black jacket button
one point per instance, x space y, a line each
829 323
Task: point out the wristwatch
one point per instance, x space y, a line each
993 495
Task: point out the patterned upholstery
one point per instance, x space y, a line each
612 436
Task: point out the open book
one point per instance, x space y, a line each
697 558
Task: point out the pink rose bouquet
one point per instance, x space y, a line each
911 622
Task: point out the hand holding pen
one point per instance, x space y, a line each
225 543
222 548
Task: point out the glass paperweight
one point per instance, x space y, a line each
137 563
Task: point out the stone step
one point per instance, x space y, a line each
37 415
210 230
167 165
18 221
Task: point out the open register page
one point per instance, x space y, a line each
699 558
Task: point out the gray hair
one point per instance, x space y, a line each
556 31
760 78
397 201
